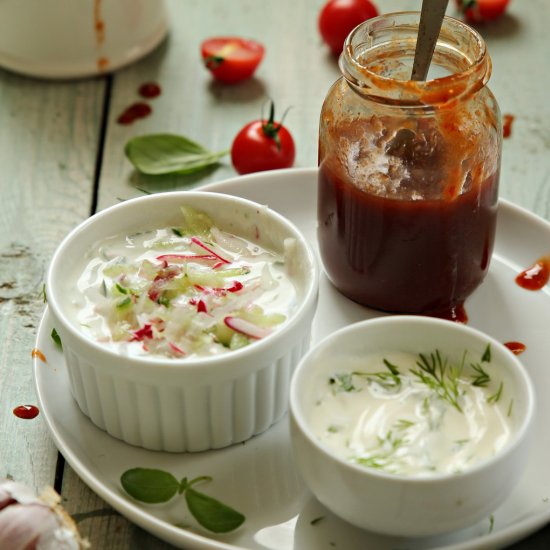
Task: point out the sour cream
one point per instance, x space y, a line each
388 413
181 292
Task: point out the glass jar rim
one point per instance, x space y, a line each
408 92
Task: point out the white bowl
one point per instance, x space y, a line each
183 404
60 39
398 504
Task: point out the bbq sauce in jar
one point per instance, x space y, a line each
408 171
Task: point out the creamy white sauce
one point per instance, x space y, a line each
399 424
116 295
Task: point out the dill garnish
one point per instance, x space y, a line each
388 380
403 424
486 357
436 373
342 382
384 457
481 377
496 396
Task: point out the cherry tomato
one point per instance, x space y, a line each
339 17
263 145
231 59
478 11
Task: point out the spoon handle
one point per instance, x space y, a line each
431 19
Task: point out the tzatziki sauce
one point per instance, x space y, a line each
178 292
415 415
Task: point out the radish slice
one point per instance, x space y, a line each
198 242
178 258
246 328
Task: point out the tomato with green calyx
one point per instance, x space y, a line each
339 17
479 11
231 59
263 145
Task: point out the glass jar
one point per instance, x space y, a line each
408 171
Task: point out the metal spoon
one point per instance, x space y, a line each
431 19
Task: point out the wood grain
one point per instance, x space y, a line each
48 139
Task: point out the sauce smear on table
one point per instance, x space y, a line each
149 90
26 412
516 347
133 112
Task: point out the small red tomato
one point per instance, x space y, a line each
263 145
339 17
231 59
478 11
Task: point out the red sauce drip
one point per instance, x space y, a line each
99 24
149 90
37 353
515 347
27 412
394 254
507 121
536 276
133 112
455 313
102 63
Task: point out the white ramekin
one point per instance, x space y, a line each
184 404
395 504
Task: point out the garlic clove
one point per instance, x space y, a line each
30 522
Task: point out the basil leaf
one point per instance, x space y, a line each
211 513
149 485
158 154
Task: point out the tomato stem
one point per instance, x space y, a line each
271 128
213 61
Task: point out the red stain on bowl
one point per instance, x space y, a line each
536 276
37 353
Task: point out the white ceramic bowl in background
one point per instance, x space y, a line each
70 39
184 404
393 504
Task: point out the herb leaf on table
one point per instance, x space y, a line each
160 154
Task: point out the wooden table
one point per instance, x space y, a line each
61 154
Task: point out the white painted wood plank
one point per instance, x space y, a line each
48 138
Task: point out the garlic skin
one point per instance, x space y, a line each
30 522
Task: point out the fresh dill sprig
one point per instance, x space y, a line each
342 382
481 377
391 442
496 396
384 458
510 407
389 380
436 373
491 523
403 424
486 357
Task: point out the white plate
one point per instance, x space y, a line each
258 478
